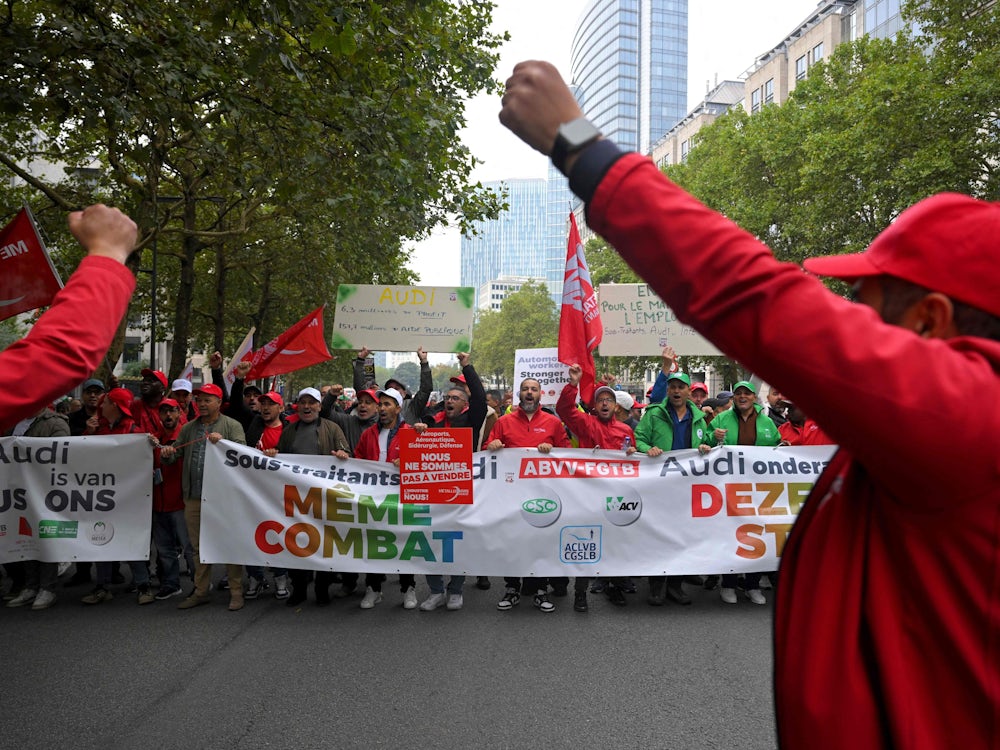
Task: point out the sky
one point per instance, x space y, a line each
724 39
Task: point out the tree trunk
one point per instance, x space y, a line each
185 291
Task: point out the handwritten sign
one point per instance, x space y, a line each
401 318
544 366
637 322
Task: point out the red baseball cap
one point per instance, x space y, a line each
169 402
946 243
370 393
122 398
210 389
155 374
699 387
458 379
273 396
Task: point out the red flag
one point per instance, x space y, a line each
580 328
300 346
27 277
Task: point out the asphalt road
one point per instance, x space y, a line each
118 675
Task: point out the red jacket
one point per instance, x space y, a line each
887 622
168 494
590 430
808 434
367 447
68 342
515 430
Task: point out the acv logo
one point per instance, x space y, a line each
623 508
541 511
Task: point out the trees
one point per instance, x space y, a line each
268 149
528 319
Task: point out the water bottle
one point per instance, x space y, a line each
626 444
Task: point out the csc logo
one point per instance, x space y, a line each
541 511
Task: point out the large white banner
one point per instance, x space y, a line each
81 498
637 322
570 512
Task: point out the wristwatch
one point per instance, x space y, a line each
572 136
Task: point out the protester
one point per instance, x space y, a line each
860 663
74 334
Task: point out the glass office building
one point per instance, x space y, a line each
629 63
514 244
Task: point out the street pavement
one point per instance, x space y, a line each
120 676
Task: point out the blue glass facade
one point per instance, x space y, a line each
629 62
514 244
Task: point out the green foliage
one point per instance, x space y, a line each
528 319
269 150
408 373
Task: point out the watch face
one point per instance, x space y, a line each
578 132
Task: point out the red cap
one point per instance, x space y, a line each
156 374
273 396
169 402
946 243
210 389
458 379
122 398
370 392
699 387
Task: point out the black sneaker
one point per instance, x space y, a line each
616 596
580 601
597 586
482 583
542 603
166 592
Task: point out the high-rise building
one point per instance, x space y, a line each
514 244
629 63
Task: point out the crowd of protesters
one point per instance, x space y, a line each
179 418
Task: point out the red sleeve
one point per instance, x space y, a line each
68 342
876 393
559 437
577 421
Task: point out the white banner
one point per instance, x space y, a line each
401 318
637 322
81 498
544 366
570 512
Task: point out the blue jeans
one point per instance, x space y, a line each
170 536
140 572
436 584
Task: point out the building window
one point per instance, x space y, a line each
818 52
800 68
685 149
755 101
769 91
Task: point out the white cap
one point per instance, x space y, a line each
624 399
391 393
309 392
182 385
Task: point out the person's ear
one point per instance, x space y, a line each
932 317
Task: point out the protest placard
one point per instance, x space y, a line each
544 366
637 322
402 318
436 467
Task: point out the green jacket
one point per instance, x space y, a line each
767 431
331 438
656 428
228 427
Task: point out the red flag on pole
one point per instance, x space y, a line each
300 346
580 328
27 277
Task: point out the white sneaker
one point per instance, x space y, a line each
410 598
281 587
371 598
27 596
455 601
756 596
44 600
728 595
432 602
